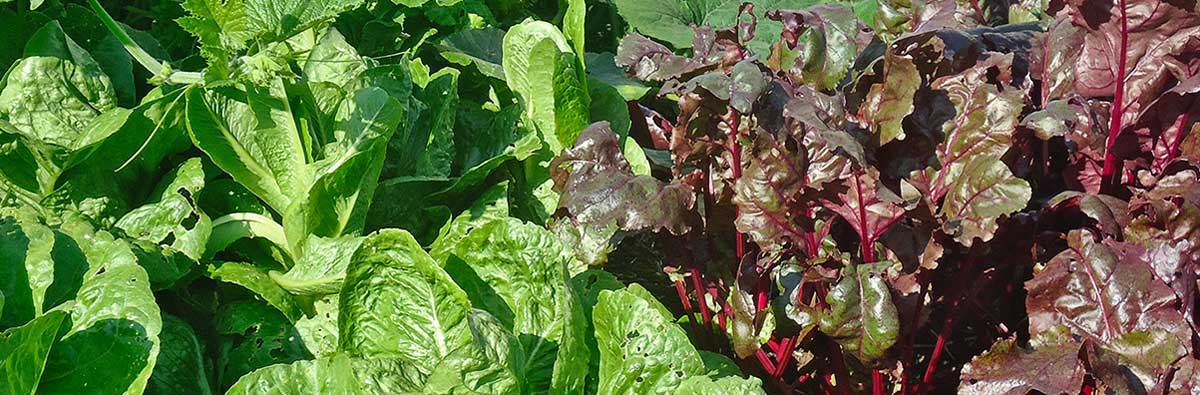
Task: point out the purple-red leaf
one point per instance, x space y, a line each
1052 367
859 204
1099 293
598 188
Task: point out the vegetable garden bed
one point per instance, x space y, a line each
601 197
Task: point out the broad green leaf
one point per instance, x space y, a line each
985 191
718 365
173 220
250 335
133 150
17 27
259 282
861 315
671 20
483 47
252 136
56 90
517 272
601 67
345 180
180 366
588 286
573 25
333 374
704 385
24 350
113 342
26 268
436 123
607 104
320 266
642 350
889 101
405 203
333 60
225 196
558 101
518 45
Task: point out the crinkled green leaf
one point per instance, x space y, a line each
56 90
113 341
518 272
259 282
704 385
251 335
491 205
320 266
397 302
174 220
861 315
319 331
334 374
642 350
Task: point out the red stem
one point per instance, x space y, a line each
1173 146
699 289
1118 109
764 360
735 152
952 314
